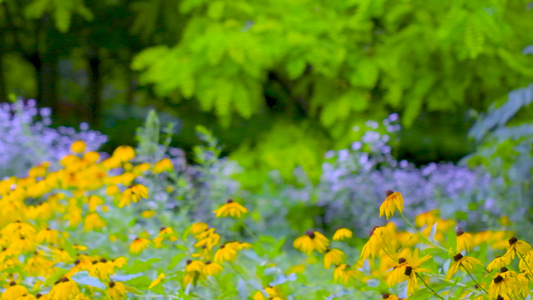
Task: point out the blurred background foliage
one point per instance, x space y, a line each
278 82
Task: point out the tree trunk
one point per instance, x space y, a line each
95 87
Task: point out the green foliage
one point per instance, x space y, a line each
62 11
343 59
505 138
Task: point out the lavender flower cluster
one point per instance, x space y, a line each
354 181
26 138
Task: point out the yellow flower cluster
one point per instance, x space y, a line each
34 234
398 257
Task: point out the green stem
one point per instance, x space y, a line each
248 230
426 285
469 274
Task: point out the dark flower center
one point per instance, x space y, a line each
457 257
310 234
389 192
385 296
401 260
230 201
513 240
459 231
408 270
111 284
498 279
503 270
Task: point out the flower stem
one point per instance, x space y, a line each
426 285
469 274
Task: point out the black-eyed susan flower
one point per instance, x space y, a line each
231 208
343 274
465 241
504 272
116 290
465 262
14 292
393 201
198 228
274 293
381 239
499 262
193 272
312 240
64 289
389 297
157 281
412 260
164 232
333 257
342 233
504 287
517 248
133 194
225 254
93 222
212 268
138 245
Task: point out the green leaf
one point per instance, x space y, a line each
141 266
83 278
175 260
142 282
62 19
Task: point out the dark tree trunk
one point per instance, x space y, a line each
95 87
46 66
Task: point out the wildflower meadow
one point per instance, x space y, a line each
140 223
266 150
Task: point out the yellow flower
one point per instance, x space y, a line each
212 268
148 213
231 208
93 222
194 272
466 262
225 254
333 257
164 165
342 233
499 262
157 280
393 201
14 292
505 287
112 190
380 240
274 293
64 289
138 245
133 193
517 247
47 236
343 274
409 260
78 147
116 291
311 241
198 228
389 297
465 241
124 153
